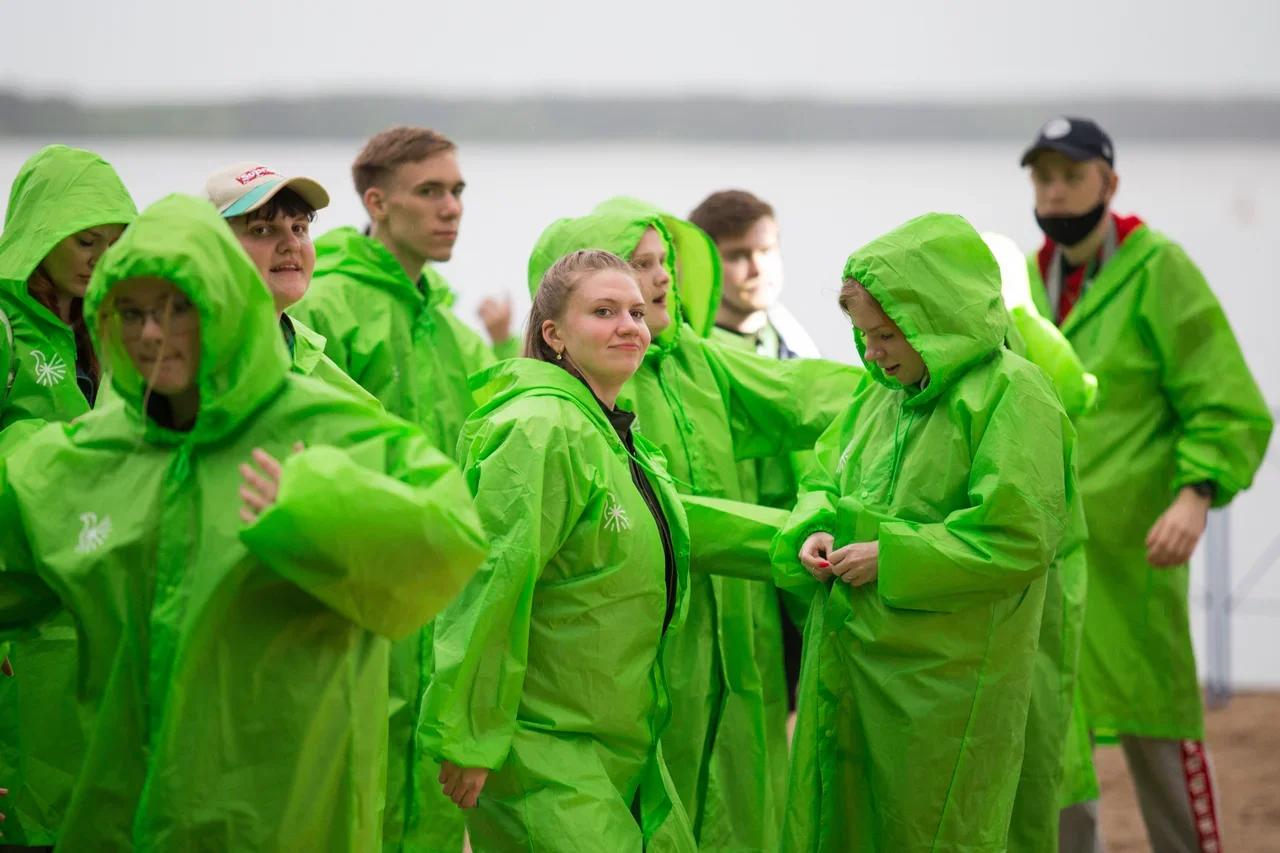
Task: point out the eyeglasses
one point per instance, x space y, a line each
178 313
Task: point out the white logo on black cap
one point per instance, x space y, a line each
1056 128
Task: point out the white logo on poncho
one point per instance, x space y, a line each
615 518
844 459
93 533
49 371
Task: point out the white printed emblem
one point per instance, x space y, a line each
93 533
49 371
1056 128
615 518
844 459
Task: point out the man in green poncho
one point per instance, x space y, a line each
707 407
937 504
386 318
66 206
1180 427
199 525
751 317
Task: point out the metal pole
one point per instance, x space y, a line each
1218 601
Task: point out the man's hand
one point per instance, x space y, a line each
1178 530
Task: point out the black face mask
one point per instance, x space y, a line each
1069 230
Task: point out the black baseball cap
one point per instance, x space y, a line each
1078 139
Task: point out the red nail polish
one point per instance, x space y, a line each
824 565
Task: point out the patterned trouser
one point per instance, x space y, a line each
1176 793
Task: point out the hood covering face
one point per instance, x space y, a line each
243 359
935 278
58 192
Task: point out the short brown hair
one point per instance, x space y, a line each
395 147
729 213
557 285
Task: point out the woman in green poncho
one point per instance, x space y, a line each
935 510
549 691
707 407
66 207
234 542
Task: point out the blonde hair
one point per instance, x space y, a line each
557 285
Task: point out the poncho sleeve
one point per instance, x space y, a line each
1018 492
25 598
1224 421
815 509
523 479
383 532
779 406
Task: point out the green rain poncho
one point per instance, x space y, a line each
549 666
401 341
1176 405
707 407
1057 765
58 192
914 689
236 671
307 358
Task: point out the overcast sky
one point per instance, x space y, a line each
141 49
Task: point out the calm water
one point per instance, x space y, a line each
1221 201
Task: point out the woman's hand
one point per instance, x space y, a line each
260 490
857 563
1178 530
463 784
814 555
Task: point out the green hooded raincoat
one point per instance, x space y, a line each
1176 405
707 407
549 667
1057 766
235 672
914 689
401 341
58 192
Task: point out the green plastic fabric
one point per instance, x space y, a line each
58 192
237 674
914 689
707 407
309 359
401 341
696 271
1176 405
1057 765
549 666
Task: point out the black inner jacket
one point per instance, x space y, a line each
622 422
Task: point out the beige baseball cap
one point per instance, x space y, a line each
244 187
